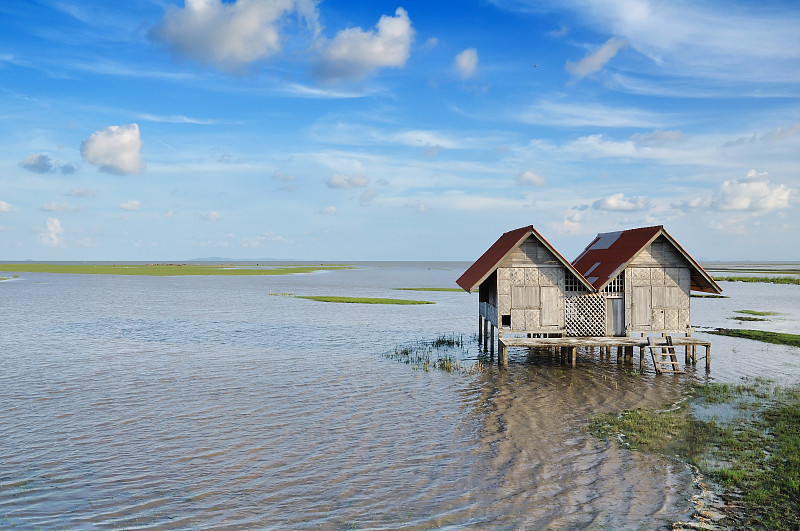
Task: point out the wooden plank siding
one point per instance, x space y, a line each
530 287
658 281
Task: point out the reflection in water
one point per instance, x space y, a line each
205 402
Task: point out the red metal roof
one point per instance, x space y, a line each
611 252
491 259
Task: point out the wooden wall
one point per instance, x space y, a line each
657 285
530 288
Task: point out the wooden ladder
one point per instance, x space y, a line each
664 357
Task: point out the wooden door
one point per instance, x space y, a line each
552 306
615 316
641 306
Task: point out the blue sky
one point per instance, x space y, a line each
298 129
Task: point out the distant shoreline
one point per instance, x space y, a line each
171 269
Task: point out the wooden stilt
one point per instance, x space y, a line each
480 329
708 358
574 354
694 354
491 341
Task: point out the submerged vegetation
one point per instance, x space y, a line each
777 338
360 300
754 456
437 355
166 270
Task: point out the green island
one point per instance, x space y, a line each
767 280
168 270
756 312
360 300
708 296
754 456
777 338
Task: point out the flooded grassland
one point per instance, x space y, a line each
207 401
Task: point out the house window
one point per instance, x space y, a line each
617 286
505 321
573 285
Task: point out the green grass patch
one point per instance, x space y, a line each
755 312
756 456
777 338
708 296
429 289
360 300
167 270
767 280
746 318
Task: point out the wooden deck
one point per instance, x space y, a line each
624 345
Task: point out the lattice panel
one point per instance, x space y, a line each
586 315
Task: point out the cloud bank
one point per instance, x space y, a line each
753 193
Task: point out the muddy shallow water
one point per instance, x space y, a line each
196 402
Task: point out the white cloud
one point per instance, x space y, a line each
328 211
213 216
56 207
595 62
367 197
177 119
354 53
38 163
53 235
133 204
570 114
345 182
753 193
620 203
6 207
229 35
658 137
776 135
466 63
530 178
115 149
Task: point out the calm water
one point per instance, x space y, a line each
197 402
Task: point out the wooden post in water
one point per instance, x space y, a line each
574 354
480 329
708 357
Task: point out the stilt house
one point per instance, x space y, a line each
644 278
632 281
521 281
